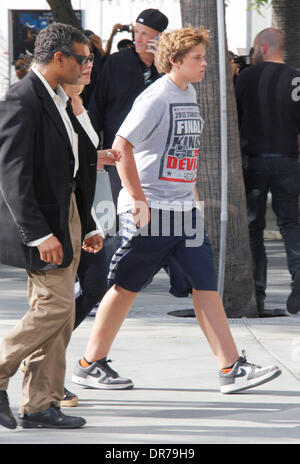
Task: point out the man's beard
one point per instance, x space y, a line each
258 57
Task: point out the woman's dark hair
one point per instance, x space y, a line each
56 37
88 33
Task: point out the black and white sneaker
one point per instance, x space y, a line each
244 375
100 375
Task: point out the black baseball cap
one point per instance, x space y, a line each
153 18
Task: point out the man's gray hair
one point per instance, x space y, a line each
56 37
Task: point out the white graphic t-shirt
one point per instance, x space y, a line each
164 127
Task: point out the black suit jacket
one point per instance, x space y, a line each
36 173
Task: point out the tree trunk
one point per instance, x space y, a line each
286 17
238 298
63 12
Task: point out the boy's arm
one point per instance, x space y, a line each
129 176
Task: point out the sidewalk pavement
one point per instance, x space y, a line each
176 399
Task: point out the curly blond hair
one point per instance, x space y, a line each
176 44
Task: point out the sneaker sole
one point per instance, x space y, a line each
254 383
69 403
100 386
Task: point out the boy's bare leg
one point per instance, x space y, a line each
112 312
209 311
212 319
211 316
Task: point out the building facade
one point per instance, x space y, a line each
20 20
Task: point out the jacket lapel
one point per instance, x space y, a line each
50 107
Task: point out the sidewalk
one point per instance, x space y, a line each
176 399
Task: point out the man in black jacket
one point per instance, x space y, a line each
47 183
269 118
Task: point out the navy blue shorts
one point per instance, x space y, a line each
170 237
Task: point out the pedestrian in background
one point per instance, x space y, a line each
269 120
22 65
105 157
125 74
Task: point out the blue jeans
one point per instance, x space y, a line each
279 175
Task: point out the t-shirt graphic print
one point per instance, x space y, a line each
164 127
180 157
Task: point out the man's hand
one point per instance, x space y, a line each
117 27
152 46
51 251
93 244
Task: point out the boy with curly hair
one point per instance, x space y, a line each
159 141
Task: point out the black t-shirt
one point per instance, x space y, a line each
268 106
120 81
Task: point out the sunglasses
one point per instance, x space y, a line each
81 59
18 67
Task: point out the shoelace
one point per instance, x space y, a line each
107 369
243 359
56 411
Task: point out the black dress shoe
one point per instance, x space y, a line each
268 312
293 302
51 418
6 416
260 302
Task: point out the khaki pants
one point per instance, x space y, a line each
42 335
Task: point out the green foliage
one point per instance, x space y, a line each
256 4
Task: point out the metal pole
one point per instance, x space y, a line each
101 19
223 122
249 26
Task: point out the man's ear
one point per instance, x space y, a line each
58 57
264 48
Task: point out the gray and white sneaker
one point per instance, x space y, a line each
100 375
244 375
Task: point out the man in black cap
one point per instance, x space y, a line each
124 76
